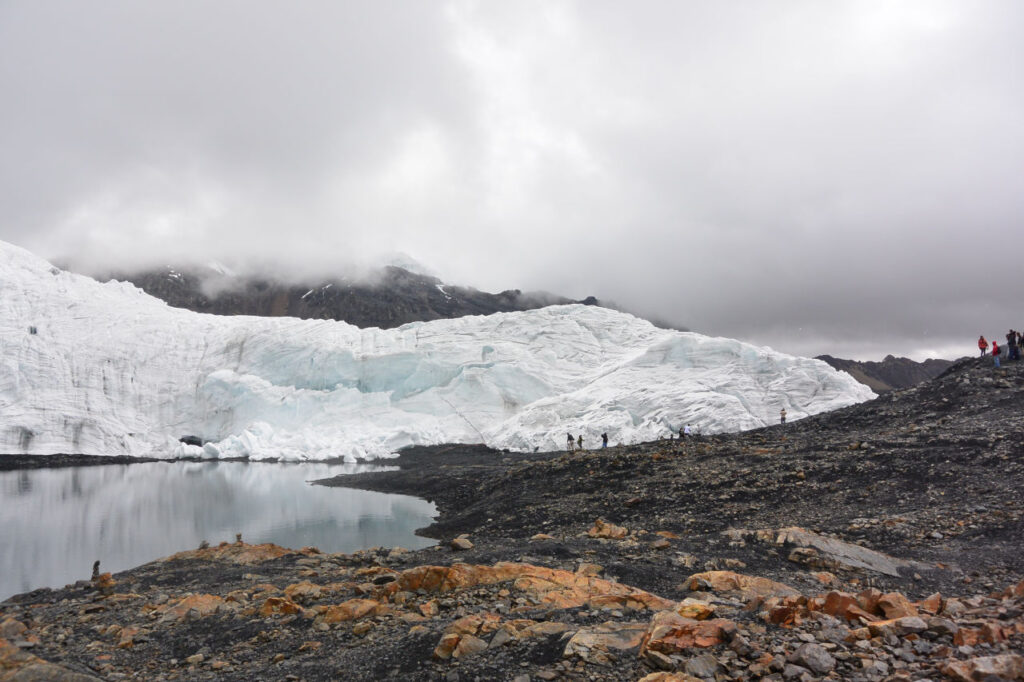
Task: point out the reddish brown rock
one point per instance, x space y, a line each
239 553
443 650
17 664
468 645
669 677
895 605
607 530
430 609
192 606
845 605
11 628
1003 667
598 644
748 586
127 638
671 633
931 604
278 606
352 609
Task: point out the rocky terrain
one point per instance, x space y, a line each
387 298
884 541
891 373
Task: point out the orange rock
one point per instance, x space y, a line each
10 628
825 578
557 588
903 625
352 609
671 633
238 553
845 605
303 592
695 609
931 604
669 677
443 650
1003 667
278 606
667 534
104 583
895 605
127 638
468 645
192 606
748 586
607 530
596 644
868 600
430 609
989 632
475 624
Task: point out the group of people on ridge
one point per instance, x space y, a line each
577 443
1014 346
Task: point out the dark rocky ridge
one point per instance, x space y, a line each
388 298
891 373
929 476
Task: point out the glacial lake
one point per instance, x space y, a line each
54 523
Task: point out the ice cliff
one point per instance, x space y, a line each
105 369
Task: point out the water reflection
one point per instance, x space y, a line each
55 522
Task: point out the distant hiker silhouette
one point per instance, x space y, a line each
604 440
782 416
570 441
579 443
982 345
996 352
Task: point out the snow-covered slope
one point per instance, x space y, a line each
112 371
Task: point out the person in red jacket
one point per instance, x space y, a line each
982 345
995 353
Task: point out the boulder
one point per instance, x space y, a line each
1002 667
671 633
595 644
729 581
607 530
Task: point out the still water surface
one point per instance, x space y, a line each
55 522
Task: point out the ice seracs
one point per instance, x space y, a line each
114 371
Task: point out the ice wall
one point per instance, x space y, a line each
112 371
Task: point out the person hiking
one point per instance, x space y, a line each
982 345
570 441
996 351
579 443
686 430
604 440
782 416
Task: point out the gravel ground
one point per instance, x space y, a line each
910 508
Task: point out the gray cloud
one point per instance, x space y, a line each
837 177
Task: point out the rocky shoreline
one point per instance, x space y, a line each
882 541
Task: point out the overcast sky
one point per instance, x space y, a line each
822 177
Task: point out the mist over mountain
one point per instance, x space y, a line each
384 297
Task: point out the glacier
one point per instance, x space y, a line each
105 369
